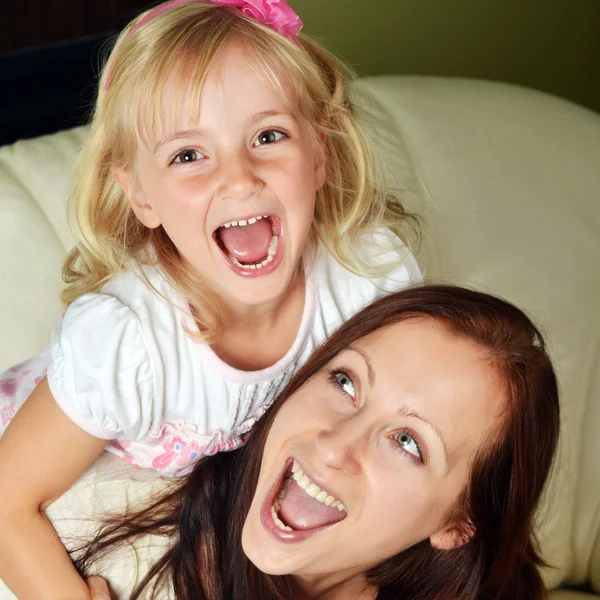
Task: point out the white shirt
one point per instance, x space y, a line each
124 367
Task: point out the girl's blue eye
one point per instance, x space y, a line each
269 136
186 156
409 445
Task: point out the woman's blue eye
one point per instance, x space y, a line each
408 443
344 381
269 136
187 156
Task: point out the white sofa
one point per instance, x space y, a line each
508 183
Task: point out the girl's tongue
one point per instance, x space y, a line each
247 243
299 511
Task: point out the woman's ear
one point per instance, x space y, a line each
140 206
453 536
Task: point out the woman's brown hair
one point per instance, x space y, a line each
501 560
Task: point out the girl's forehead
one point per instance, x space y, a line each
247 85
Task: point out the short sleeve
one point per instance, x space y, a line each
393 268
386 250
100 372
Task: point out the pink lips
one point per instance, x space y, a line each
266 517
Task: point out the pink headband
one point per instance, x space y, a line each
274 13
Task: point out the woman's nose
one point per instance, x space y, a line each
238 179
340 447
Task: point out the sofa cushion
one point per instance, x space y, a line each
34 175
513 180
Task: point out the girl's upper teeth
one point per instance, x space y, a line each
313 490
243 222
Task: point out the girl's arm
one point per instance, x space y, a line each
42 452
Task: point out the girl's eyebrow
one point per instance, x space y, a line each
270 113
179 135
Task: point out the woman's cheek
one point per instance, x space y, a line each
298 415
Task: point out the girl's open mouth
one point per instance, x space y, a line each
251 247
296 508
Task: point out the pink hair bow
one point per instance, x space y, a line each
274 13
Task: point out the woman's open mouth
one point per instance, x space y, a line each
251 247
296 508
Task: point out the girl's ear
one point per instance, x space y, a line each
453 536
137 199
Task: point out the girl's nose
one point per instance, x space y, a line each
238 178
340 447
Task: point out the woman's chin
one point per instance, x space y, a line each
265 556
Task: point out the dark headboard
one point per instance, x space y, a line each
49 88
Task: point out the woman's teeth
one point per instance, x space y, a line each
312 489
280 524
304 483
270 254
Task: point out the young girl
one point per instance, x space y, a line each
228 221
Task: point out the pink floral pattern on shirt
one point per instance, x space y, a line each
9 386
7 412
177 447
171 452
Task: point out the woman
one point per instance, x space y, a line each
405 460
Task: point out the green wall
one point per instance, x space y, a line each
551 45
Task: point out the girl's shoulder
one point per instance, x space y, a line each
134 314
389 267
143 293
113 353
141 283
386 263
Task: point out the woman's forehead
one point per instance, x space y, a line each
426 341
419 366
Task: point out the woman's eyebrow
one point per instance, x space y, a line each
406 411
365 357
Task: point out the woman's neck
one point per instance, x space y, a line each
337 587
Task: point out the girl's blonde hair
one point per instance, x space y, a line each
174 51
